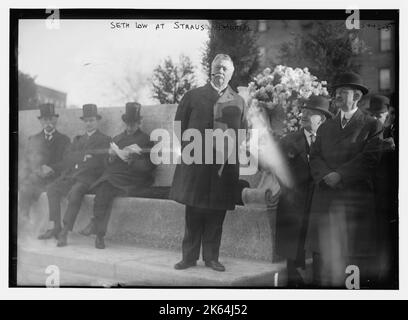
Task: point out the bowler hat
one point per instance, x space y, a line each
90 110
231 116
319 103
47 110
350 79
378 104
132 112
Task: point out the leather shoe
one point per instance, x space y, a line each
51 233
62 238
215 265
184 265
89 229
99 243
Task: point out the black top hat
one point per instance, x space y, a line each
47 110
132 113
378 104
350 79
319 103
90 110
231 116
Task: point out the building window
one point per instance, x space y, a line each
385 79
262 25
385 39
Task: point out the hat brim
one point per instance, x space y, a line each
377 111
98 117
324 111
52 115
126 119
363 89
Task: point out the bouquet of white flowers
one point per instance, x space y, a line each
282 92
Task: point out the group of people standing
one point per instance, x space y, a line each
341 211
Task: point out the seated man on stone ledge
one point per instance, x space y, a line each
83 165
43 159
128 172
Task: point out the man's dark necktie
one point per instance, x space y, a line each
344 122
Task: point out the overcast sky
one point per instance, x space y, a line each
89 59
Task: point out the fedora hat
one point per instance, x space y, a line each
132 112
90 110
350 79
47 110
319 103
378 104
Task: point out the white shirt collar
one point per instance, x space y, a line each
348 114
90 133
308 136
49 133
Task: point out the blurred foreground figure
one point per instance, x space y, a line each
43 159
386 194
343 221
294 203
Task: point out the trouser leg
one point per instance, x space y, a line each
104 196
27 197
192 234
29 192
317 270
75 196
212 233
55 192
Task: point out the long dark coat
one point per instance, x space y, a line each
294 204
40 152
130 177
343 219
91 169
199 185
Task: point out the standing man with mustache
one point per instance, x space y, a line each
342 161
207 190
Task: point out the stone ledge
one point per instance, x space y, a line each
159 223
80 264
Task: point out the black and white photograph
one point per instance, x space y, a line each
191 149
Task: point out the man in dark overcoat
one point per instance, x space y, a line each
83 165
129 174
294 203
343 221
42 159
386 197
207 190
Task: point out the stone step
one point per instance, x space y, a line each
80 264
